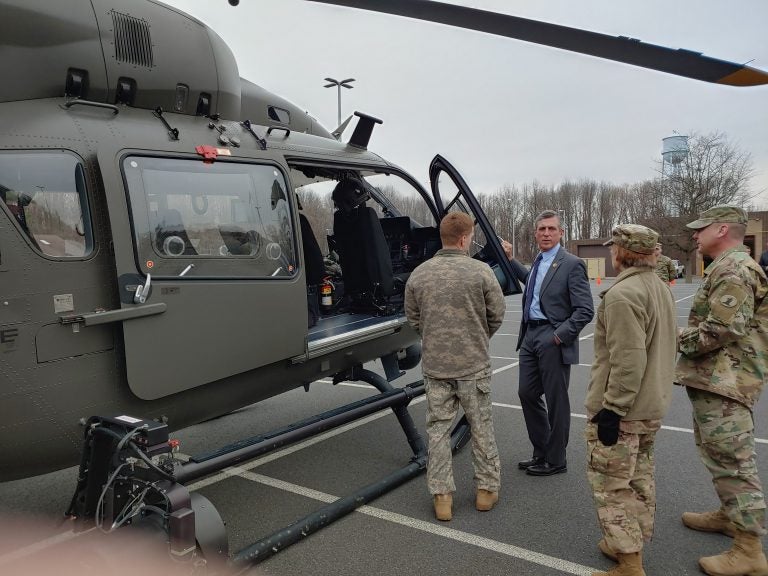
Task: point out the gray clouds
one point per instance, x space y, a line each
505 111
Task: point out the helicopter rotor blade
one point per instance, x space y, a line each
679 62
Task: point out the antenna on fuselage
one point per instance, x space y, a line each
340 130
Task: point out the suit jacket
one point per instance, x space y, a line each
564 298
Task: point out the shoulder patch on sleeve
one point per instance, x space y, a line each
728 303
728 300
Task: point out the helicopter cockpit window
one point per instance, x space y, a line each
45 193
225 219
279 114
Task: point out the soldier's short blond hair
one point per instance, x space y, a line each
627 258
454 226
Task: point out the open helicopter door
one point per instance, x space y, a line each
452 193
218 239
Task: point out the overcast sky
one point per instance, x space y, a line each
505 111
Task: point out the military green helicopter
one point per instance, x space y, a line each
156 269
154 257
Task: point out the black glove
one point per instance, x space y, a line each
607 426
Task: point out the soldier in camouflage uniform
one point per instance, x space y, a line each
455 303
664 267
723 366
629 393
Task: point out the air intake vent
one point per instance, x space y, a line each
133 43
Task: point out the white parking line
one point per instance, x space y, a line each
505 368
584 417
41 545
431 528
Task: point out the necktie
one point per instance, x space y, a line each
529 287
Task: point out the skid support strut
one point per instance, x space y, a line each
274 543
396 398
358 373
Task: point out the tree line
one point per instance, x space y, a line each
713 171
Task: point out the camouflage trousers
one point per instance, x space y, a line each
473 393
724 432
623 483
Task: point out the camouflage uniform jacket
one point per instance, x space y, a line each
634 361
725 346
456 304
665 269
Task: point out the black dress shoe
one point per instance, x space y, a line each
525 464
546 469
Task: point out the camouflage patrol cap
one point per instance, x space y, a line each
634 237
722 213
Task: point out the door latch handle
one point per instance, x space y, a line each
142 292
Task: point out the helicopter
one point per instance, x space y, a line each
156 269
151 232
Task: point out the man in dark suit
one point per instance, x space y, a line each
764 259
557 304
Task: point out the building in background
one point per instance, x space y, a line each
598 259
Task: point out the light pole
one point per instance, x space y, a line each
339 84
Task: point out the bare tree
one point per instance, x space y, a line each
504 209
714 171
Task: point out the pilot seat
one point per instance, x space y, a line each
366 266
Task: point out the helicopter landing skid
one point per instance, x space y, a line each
129 475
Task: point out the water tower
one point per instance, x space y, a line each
674 151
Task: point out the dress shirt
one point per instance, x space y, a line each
546 261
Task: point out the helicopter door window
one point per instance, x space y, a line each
455 203
227 219
45 193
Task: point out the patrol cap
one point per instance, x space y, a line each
722 213
634 237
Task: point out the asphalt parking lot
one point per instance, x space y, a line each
541 526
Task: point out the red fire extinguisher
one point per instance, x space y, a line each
326 294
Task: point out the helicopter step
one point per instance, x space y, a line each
130 474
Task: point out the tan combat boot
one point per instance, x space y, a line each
486 499
716 521
628 565
443 505
745 558
607 550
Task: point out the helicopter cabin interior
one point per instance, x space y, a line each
356 279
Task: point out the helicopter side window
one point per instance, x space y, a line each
225 219
45 193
